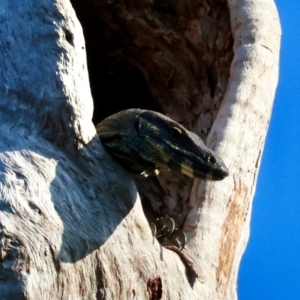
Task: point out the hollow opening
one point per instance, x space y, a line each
173 57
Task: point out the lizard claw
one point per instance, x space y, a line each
166 233
177 239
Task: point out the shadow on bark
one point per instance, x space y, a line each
46 223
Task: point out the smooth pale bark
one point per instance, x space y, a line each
72 225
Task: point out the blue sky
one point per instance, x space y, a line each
270 268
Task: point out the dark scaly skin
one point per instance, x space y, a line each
145 142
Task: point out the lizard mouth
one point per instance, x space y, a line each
212 175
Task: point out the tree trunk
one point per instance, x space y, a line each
71 221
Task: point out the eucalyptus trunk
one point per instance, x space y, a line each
72 225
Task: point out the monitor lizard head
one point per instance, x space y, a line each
146 142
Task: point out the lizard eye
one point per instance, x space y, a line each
175 133
211 159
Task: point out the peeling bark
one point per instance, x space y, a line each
71 222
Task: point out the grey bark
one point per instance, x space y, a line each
71 221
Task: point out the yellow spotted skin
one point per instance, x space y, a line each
187 170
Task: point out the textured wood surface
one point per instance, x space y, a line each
71 222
